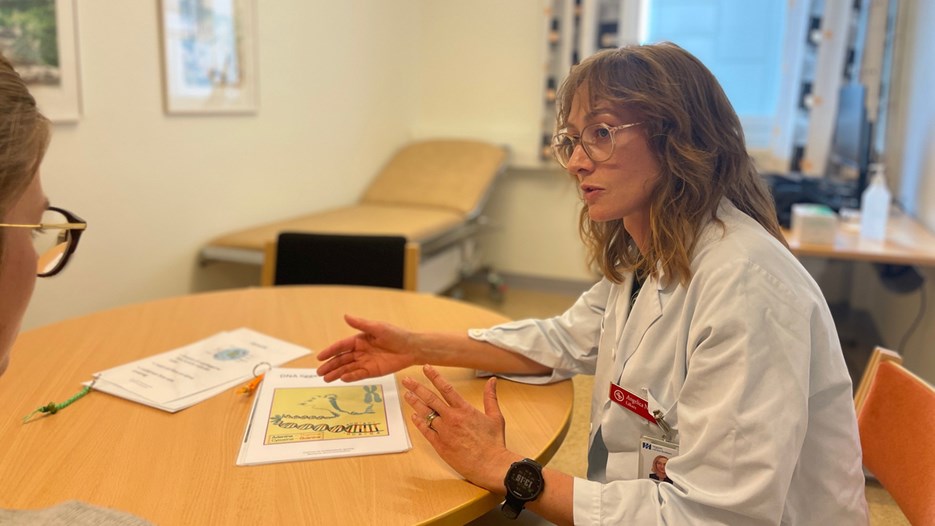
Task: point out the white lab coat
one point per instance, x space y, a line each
746 366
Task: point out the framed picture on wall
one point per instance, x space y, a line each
209 55
39 38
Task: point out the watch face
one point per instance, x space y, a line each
524 481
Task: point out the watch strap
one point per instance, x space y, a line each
512 507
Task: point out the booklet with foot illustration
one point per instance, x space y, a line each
297 416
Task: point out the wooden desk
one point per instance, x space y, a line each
179 468
907 242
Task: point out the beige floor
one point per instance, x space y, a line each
572 455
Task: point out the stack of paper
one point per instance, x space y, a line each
182 377
297 416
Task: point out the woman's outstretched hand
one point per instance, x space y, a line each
470 441
378 349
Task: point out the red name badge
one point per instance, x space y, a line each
630 401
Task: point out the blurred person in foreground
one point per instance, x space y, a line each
36 239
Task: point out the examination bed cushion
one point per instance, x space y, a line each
416 224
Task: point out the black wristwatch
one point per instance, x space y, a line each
524 483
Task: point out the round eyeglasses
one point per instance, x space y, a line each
597 140
55 239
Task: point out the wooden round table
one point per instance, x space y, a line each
179 468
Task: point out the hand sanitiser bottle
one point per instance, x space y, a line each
875 205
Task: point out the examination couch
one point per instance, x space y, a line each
431 192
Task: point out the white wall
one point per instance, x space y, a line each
337 84
534 227
482 73
484 78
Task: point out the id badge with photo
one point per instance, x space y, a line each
654 454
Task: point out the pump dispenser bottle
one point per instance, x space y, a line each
875 205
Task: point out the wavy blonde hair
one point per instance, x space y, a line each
698 142
24 138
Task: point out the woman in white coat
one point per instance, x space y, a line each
708 340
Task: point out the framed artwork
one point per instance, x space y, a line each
39 38
209 53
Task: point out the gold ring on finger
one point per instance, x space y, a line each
430 418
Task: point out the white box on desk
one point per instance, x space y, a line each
814 224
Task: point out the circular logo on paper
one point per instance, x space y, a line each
233 353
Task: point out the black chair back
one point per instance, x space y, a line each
330 259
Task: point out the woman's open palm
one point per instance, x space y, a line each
378 349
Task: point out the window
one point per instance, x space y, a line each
740 41
782 63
